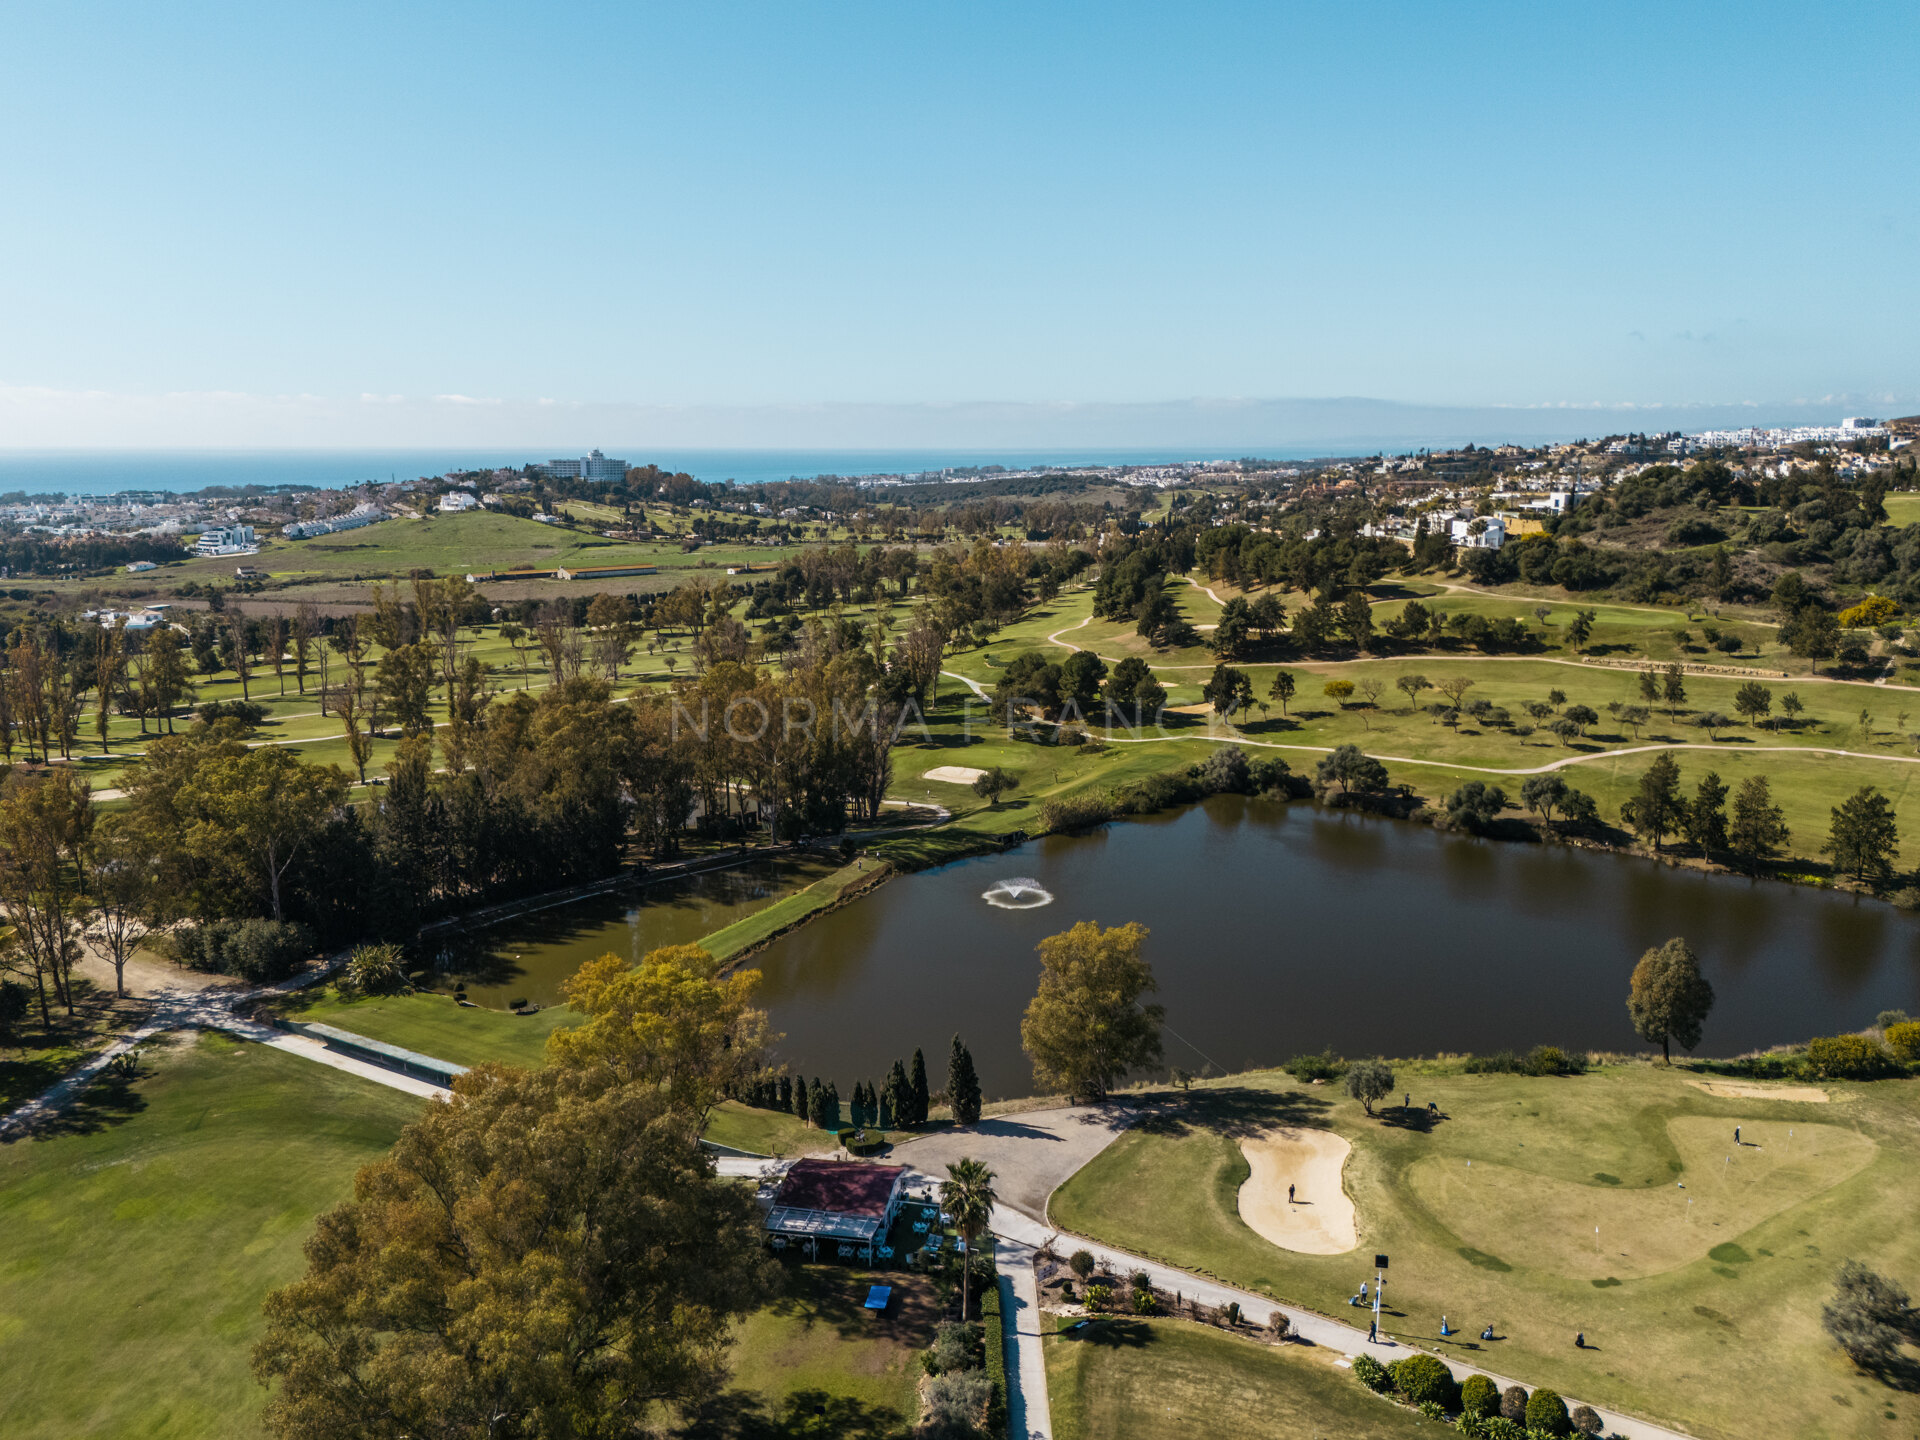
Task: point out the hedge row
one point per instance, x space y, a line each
996 1347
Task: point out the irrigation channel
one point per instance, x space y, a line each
1276 929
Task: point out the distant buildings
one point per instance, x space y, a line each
455 501
362 514
592 466
235 539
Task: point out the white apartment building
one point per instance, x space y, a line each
591 466
235 539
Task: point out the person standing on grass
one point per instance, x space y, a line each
1289 1194
1736 1134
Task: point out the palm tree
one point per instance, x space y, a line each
967 1195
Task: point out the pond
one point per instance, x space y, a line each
1278 929
529 956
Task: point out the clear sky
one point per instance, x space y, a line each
217 217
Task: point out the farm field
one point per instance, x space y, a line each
1703 1315
137 1243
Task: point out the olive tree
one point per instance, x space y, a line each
1368 1081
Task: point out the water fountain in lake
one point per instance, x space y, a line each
1017 893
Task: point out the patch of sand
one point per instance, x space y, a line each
1205 707
1319 1221
1746 1090
954 774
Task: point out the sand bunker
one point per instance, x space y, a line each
954 774
1746 1090
1320 1219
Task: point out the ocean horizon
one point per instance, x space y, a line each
109 472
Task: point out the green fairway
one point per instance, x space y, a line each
136 1247
436 1025
1700 1315
1171 1380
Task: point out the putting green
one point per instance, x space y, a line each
1648 1223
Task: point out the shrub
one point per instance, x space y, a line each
1422 1378
1076 812
1847 1057
1324 1066
1144 1303
956 1346
15 999
377 969
260 951
1903 1039
1552 1060
1513 1403
1501 1062
1547 1413
862 1142
1225 771
1081 1263
996 1355
1153 792
1498 1427
1886 1019
1231 1315
1271 777
958 1400
249 713
1907 897
1371 1373
1099 1297
1587 1421
1479 1397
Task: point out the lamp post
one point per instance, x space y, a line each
1379 1285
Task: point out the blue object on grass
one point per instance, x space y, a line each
877 1297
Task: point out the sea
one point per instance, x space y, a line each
109 472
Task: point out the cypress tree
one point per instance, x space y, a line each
963 1085
830 1107
801 1107
920 1095
857 1110
899 1095
884 1110
816 1103
786 1094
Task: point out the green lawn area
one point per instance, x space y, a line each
1435 758
1703 1316
1172 1380
817 1350
745 934
136 1247
1903 507
435 1025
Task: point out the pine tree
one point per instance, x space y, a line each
1759 826
963 1085
921 1097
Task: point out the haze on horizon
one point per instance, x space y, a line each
406 225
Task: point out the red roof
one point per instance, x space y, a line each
843 1187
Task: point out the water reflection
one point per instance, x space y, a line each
1279 929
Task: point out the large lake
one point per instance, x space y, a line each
1276 929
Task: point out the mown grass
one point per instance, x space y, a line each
1128 1379
855 1372
435 1025
744 934
1704 1316
137 1243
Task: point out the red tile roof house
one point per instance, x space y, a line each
847 1203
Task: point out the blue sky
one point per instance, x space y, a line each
237 224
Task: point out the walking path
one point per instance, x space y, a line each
210 1009
1012 1225
1029 1411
